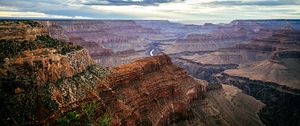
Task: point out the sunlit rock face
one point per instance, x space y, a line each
24 31
205 51
40 84
53 82
155 89
130 94
44 65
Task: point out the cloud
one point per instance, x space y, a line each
127 2
33 15
255 2
68 8
174 10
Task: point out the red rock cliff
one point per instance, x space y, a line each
155 89
50 79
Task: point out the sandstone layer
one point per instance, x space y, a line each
51 82
266 66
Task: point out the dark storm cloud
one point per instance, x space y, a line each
128 2
256 3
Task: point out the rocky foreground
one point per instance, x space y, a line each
45 81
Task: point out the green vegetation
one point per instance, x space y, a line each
22 106
89 110
62 47
104 120
32 23
26 22
98 71
144 122
11 49
47 100
69 119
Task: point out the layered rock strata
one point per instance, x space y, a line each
23 31
57 83
42 85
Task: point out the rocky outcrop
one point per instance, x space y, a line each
226 105
105 33
42 78
56 31
203 71
276 40
119 58
228 56
50 82
155 89
20 31
147 91
42 85
279 55
42 65
280 101
283 72
265 67
255 47
210 41
107 41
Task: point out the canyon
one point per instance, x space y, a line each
265 67
149 72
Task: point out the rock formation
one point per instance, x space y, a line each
23 31
50 82
109 42
266 66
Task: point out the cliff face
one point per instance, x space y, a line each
226 105
42 65
23 31
109 43
43 85
155 89
279 105
48 82
37 77
162 92
276 40
265 67
147 91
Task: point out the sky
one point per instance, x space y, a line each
186 11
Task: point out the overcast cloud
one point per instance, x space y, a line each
175 10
